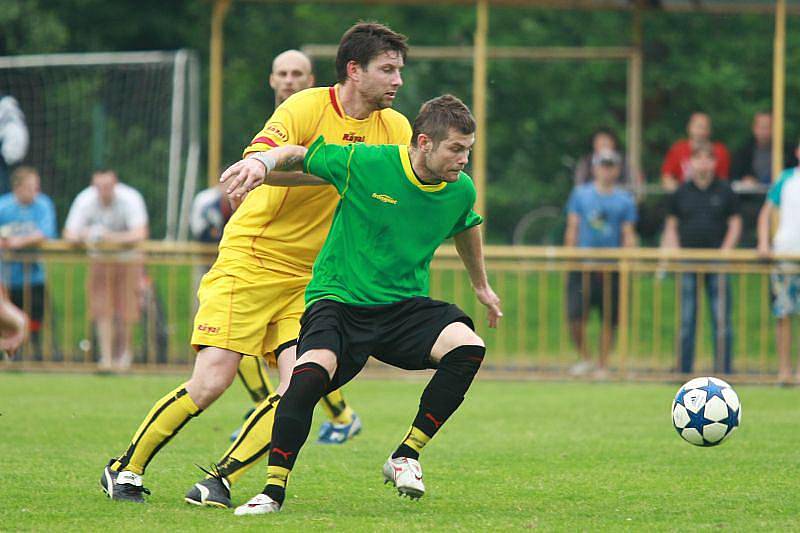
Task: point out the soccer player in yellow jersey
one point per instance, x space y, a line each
280 231
292 72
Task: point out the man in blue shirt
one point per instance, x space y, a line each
599 215
27 217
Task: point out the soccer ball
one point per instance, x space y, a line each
705 411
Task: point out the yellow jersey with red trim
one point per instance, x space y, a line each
283 228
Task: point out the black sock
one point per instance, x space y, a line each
441 397
292 424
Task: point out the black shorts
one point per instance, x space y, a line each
585 291
400 334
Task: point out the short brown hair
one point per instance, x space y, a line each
438 116
20 173
704 149
365 41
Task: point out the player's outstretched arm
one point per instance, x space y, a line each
249 173
470 248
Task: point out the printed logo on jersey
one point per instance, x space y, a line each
278 130
353 138
385 198
208 329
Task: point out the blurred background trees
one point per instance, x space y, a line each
541 114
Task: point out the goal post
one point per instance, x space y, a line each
134 112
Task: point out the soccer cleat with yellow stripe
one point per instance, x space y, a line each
406 475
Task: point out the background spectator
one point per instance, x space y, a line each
599 215
603 140
210 211
704 213
112 213
27 217
752 163
784 196
13 138
291 72
677 162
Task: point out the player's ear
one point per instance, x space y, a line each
425 143
272 81
353 70
311 80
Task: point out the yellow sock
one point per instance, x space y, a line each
336 408
254 378
253 441
165 419
416 439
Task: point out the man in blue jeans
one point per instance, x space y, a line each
704 213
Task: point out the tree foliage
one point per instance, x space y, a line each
541 114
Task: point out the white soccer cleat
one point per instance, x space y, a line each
406 475
258 504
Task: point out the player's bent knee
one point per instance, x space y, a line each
454 335
324 358
214 371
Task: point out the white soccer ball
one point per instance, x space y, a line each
705 411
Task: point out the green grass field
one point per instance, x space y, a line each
552 456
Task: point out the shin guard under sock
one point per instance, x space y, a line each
441 397
292 424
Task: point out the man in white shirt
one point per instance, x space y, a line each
784 195
109 214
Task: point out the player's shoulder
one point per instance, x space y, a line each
397 124
394 117
379 153
465 184
307 100
307 95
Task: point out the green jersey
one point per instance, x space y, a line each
387 226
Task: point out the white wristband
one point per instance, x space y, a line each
265 159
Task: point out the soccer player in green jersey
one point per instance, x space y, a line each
369 292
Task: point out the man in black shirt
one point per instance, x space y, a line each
704 213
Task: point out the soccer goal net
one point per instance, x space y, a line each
137 113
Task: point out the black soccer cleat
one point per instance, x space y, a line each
213 491
123 486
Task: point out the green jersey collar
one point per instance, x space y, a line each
409 171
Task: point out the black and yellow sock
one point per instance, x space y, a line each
252 443
441 397
412 444
277 477
336 408
255 379
292 424
163 422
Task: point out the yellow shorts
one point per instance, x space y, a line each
248 309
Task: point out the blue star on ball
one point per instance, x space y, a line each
712 389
